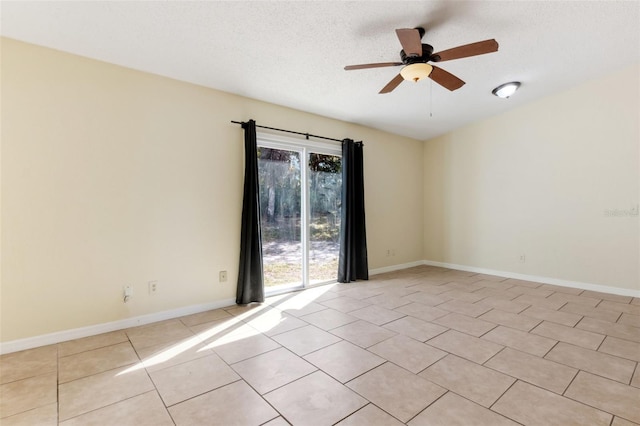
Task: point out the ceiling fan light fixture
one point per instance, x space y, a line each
507 89
416 72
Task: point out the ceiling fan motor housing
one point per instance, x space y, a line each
427 51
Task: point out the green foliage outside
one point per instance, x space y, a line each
280 195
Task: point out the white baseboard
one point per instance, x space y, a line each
395 267
77 333
538 279
92 330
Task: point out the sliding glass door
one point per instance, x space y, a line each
300 195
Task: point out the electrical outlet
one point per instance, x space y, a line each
523 258
153 287
223 276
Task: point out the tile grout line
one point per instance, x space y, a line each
368 400
265 399
502 394
633 375
586 404
432 402
551 348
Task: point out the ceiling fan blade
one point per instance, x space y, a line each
445 79
472 49
392 84
378 65
410 41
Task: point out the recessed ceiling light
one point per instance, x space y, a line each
506 90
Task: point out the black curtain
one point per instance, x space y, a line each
250 282
353 263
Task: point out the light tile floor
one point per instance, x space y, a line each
422 346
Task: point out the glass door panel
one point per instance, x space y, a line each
280 180
325 194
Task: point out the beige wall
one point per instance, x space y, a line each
537 181
112 176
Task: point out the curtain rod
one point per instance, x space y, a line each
307 135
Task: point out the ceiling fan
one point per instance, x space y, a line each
415 57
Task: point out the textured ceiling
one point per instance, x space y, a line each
293 53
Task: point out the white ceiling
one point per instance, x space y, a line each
292 53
